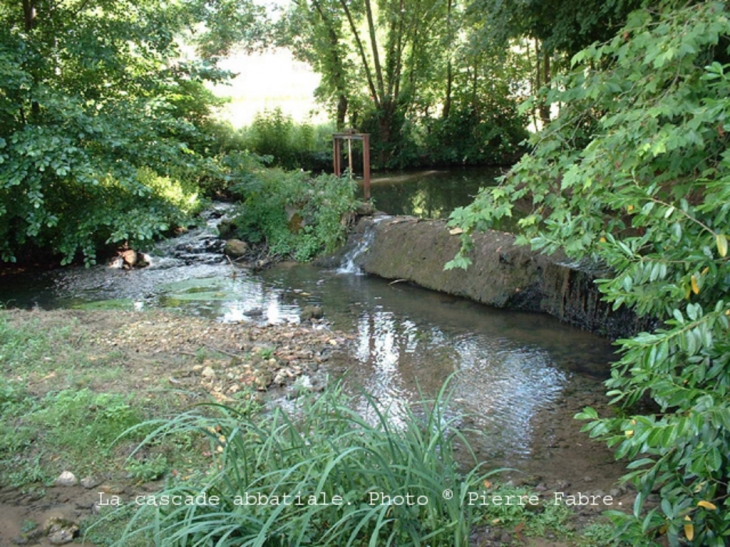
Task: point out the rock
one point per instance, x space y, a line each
208 372
66 479
281 378
130 258
61 531
143 260
365 208
117 263
226 228
503 274
311 312
90 482
235 248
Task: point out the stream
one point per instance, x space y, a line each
519 376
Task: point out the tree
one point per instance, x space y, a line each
394 66
635 173
314 30
95 119
555 30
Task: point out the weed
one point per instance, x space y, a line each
266 353
293 213
598 535
150 469
327 477
28 526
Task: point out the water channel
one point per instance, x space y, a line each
520 376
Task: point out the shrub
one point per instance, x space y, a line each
331 452
295 214
648 195
290 145
489 135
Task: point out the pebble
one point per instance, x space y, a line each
90 482
61 531
66 479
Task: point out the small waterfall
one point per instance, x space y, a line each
349 263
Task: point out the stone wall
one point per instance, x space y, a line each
502 274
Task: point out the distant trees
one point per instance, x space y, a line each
410 72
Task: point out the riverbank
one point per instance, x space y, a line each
73 381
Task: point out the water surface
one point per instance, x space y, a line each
510 367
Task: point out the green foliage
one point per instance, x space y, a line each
77 425
635 172
477 136
290 145
97 114
294 213
149 470
331 452
413 74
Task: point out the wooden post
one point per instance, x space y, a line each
349 155
337 139
336 156
366 165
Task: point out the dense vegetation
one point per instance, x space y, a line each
107 138
635 173
334 465
102 120
292 214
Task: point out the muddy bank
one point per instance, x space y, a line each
502 275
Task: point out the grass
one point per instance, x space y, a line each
68 402
322 476
63 404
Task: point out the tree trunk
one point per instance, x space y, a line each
338 70
29 14
449 68
544 107
341 112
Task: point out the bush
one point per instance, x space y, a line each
331 452
294 214
290 145
649 195
471 136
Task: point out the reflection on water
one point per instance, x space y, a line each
430 194
509 366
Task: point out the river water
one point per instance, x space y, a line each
515 373
430 194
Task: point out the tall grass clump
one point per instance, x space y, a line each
323 475
290 145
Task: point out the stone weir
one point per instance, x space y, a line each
502 274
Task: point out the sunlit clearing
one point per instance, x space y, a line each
268 80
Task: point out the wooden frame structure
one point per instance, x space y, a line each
337 139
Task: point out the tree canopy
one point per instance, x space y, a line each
635 173
100 114
411 73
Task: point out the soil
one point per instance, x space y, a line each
207 359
